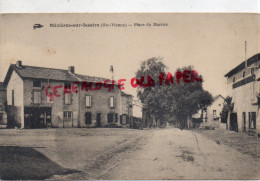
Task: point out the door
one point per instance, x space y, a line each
233 122
98 119
48 118
244 122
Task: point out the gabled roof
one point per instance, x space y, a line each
90 79
241 66
215 97
48 74
2 87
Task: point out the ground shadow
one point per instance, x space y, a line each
26 163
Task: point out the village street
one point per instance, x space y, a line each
121 154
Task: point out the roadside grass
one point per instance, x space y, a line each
241 142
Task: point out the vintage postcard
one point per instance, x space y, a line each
129 96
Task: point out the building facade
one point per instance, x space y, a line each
214 110
243 87
39 97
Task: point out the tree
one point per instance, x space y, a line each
228 107
188 98
154 97
175 99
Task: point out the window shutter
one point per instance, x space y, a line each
120 119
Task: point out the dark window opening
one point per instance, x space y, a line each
36 83
252 70
244 74
116 117
1 116
252 120
110 117
88 118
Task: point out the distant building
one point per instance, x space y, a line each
75 101
3 115
214 110
211 117
243 87
126 109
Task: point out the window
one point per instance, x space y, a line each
88 101
214 112
110 117
67 116
111 102
252 70
1 116
49 100
67 98
234 79
88 117
67 93
12 97
36 83
49 97
36 97
252 120
244 74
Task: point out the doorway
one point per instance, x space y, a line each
233 122
244 122
35 117
98 119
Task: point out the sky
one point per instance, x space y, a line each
212 42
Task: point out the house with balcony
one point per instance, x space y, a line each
39 97
243 87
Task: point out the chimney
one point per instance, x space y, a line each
71 69
19 64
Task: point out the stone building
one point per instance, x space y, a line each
243 87
39 97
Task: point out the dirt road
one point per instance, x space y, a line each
105 153
176 154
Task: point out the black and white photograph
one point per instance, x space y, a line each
129 96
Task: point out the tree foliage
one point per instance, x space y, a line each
152 97
228 107
179 100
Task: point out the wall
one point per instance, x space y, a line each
100 104
16 83
216 105
243 97
58 106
